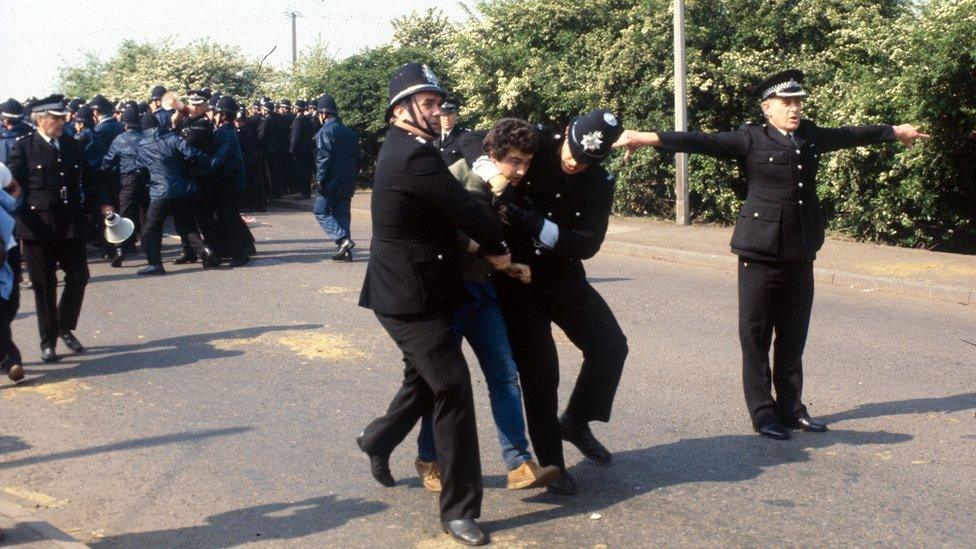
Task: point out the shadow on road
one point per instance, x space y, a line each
728 458
957 403
276 521
159 353
305 255
175 438
11 444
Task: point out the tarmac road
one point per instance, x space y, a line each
218 408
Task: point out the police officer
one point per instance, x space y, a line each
302 149
273 140
14 127
106 129
451 135
73 106
172 191
257 174
777 236
123 156
196 128
48 165
413 285
557 217
337 164
229 179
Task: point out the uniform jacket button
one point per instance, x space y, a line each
62 174
801 202
770 158
755 214
577 214
549 214
800 185
538 252
798 151
558 195
799 166
440 257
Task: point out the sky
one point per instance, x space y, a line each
41 36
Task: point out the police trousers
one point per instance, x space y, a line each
775 298
569 301
436 379
43 258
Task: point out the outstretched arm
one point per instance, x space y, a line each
721 144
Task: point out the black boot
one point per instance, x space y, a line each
119 256
578 434
185 257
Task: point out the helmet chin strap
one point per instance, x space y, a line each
412 121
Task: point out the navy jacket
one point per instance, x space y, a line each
337 159
228 159
302 137
167 156
781 218
9 137
102 136
124 152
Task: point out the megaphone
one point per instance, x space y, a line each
171 102
117 228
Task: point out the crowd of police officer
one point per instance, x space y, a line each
75 163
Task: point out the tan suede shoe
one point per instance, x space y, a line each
531 475
429 474
16 373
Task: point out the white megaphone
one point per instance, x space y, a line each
118 228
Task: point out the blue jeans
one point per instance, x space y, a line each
333 215
480 321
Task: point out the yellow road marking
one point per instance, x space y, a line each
39 499
58 392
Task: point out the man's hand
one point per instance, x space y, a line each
107 210
908 135
523 218
485 168
520 271
13 188
499 262
634 140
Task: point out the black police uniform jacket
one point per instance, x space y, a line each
417 207
579 204
302 137
449 145
781 218
51 180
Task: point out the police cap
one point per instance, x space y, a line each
85 115
410 79
100 104
301 104
592 135
157 93
788 83
75 104
449 106
149 121
327 104
130 116
52 104
11 108
227 104
196 97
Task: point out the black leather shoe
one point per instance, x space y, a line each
379 466
210 259
465 531
806 423
184 258
151 270
345 250
119 256
71 341
49 355
564 485
579 435
774 431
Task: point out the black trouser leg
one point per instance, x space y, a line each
152 235
42 258
436 376
529 329
773 296
131 206
229 220
42 267
792 325
589 323
204 206
74 263
183 210
303 174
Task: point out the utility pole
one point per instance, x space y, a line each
681 206
294 37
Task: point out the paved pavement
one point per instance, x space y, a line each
857 265
218 408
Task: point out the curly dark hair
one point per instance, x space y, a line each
508 134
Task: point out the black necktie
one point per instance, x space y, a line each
793 140
54 144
